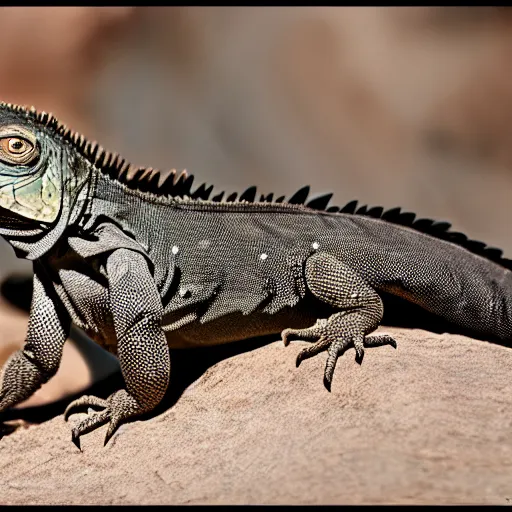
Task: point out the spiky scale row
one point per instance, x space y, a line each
319 203
249 195
300 196
349 207
180 185
375 212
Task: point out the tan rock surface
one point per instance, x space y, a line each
427 423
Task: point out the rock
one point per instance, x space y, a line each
426 423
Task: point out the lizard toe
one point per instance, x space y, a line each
311 351
358 342
335 350
312 333
83 403
379 340
123 407
92 422
114 424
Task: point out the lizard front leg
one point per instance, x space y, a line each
27 369
141 346
361 311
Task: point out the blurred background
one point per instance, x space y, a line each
404 106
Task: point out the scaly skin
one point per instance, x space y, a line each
141 265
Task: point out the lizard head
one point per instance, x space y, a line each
31 170
41 173
29 177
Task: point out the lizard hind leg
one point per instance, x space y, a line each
360 312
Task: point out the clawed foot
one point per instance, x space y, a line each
322 333
114 411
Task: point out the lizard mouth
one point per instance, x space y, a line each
14 221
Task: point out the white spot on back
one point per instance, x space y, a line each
263 256
315 245
175 249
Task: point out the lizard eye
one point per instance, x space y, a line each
17 146
17 150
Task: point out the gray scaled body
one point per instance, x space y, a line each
142 262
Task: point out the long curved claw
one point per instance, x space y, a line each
334 352
75 437
358 342
88 425
111 430
311 351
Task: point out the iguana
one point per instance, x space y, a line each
143 261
